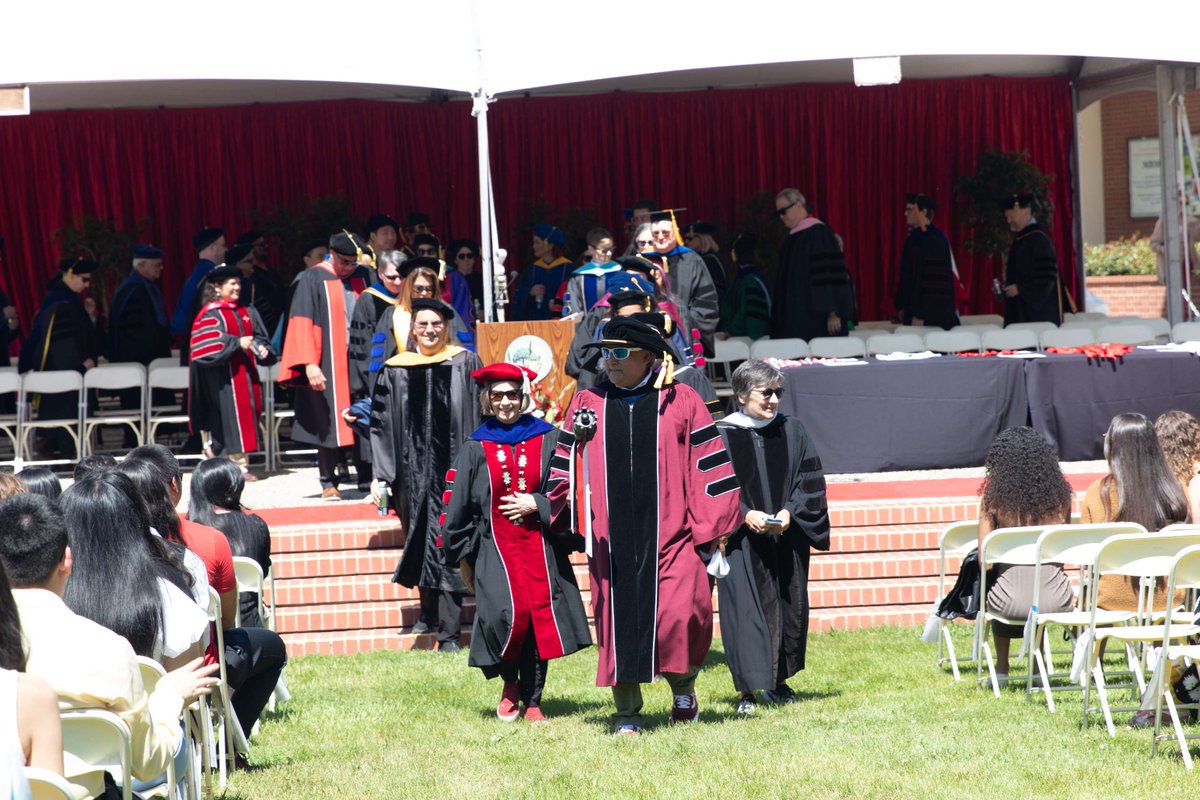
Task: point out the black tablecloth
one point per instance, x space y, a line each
1072 401
888 415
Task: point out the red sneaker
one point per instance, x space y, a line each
534 714
686 708
509 708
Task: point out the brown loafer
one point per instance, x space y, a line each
331 494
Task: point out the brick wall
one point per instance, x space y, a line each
1130 295
1131 115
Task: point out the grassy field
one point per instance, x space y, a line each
875 719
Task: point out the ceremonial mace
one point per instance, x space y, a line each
584 426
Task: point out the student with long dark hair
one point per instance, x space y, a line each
216 501
30 731
40 480
1139 487
123 578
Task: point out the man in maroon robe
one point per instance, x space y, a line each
316 357
662 490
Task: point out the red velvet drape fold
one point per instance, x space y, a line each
853 151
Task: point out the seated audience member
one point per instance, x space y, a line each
11 485
88 665
216 501
92 465
1023 485
1139 487
30 731
125 579
39 480
254 657
1178 434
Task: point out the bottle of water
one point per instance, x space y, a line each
383 501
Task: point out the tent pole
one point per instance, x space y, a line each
486 245
1169 159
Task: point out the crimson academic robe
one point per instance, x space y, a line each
524 583
224 392
764 598
423 409
662 485
318 333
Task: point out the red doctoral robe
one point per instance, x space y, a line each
318 333
662 485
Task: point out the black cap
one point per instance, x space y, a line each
428 262
77 265
661 321
416 218
206 236
638 264
238 253
222 273
702 227
626 332
146 251
425 238
618 300
667 214
346 244
430 304
313 244
745 244
377 221
249 237
1021 200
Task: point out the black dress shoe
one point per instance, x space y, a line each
421 627
449 647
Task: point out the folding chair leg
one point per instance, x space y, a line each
1049 659
1102 693
1184 753
1135 666
949 649
987 653
1041 664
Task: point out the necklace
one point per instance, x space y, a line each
505 475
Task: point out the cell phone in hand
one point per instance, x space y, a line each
773 521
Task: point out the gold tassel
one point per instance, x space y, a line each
675 227
666 374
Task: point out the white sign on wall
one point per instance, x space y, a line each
1145 177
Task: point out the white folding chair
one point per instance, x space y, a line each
1185 572
115 377
250 579
877 326
96 740
726 353
49 382
981 319
47 785
1009 339
1081 316
1037 327
837 347
1126 333
886 343
1065 336
230 738
779 348
1014 547
860 332
165 361
978 328
151 671
1186 332
1144 556
1076 545
919 330
10 424
1092 325
1160 327
940 341
957 538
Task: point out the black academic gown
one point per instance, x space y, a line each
926 286
224 392
699 305
524 582
583 365
62 336
764 598
137 323
812 281
1033 266
371 307
264 292
420 417
716 271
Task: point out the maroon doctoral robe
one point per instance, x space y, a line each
662 485
225 396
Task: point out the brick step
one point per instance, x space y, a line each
868 566
337 536
340 589
935 510
848 619
885 538
347 562
357 616
884 592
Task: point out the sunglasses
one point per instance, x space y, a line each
422 290
617 353
463 255
427 251
644 242
785 209
769 393
607 250
511 394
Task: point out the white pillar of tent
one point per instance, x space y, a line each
1169 79
490 265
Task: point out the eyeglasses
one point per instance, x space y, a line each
644 242
664 234
605 251
429 252
422 289
511 394
617 353
433 326
769 393
785 209
391 278
464 254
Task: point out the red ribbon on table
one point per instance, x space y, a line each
1100 352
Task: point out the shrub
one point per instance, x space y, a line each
1131 256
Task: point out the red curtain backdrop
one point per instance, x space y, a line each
854 152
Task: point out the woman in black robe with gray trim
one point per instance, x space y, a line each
498 527
764 598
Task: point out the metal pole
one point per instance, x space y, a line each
485 217
1169 161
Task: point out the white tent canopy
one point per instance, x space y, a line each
134 53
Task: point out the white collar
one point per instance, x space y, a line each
742 421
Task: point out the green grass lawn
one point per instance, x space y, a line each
875 719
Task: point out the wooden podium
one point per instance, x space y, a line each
542 346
